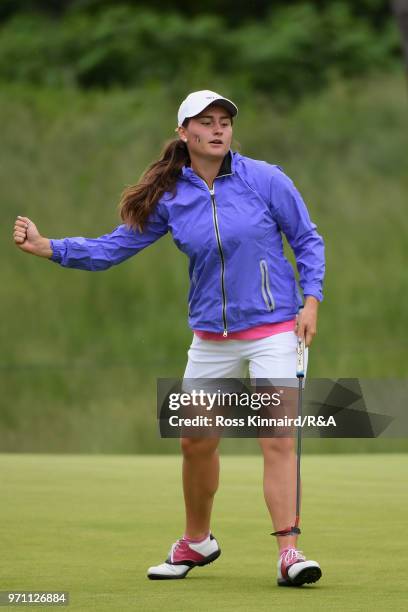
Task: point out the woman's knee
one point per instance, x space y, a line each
277 447
198 447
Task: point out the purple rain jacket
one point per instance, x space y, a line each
232 235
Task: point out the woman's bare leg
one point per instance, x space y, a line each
280 484
200 482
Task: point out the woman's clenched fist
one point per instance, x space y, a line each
27 238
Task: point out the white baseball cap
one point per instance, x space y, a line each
197 101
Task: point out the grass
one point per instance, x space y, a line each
91 525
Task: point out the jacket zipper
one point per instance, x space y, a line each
217 233
265 287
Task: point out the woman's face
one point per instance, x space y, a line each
208 134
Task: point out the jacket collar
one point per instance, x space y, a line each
226 168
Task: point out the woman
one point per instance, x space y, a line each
227 212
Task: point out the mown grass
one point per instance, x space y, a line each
81 352
93 525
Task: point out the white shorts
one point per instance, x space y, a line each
273 357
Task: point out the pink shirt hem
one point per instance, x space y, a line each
253 333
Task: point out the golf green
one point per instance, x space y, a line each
92 524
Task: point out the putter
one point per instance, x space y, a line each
300 374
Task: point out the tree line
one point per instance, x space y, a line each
276 48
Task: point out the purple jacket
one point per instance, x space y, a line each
232 234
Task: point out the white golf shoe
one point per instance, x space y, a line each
183 556
294 569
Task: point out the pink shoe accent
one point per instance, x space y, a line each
181 551
288 557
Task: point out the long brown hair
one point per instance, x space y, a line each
138 201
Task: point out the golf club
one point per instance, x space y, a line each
300 374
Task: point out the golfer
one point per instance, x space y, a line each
227 213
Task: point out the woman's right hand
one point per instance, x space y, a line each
27 238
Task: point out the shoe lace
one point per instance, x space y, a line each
175 546
292 555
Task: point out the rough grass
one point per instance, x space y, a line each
74 342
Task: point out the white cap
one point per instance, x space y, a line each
199 100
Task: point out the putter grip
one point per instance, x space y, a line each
300 359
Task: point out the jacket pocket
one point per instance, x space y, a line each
265 286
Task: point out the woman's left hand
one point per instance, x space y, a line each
306 320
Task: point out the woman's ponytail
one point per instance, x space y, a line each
138 201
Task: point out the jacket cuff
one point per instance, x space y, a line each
58 249
315 292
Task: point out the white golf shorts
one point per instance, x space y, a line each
271 358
